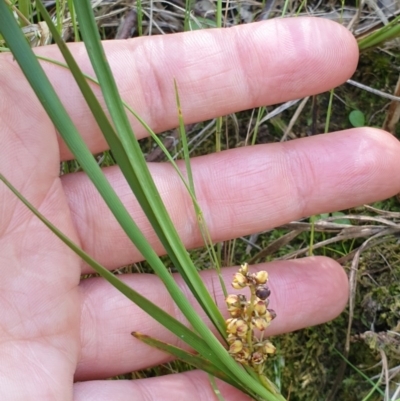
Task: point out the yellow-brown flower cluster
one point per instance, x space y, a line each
249 318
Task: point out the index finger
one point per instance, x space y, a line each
218 71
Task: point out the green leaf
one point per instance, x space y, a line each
60 118
189 358
388 32
134 168
198 23
169 322
357 118
142 184
341 220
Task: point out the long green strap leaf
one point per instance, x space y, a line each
185 356
137 173
60 118
113 140
158 314
63 123
384 34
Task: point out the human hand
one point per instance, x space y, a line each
56 329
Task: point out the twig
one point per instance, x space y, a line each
374 91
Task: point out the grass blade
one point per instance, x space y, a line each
186 335
189 358
388 32
49 99
133 166
210 362
63 123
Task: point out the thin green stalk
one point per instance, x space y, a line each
329 111
139 15
214 386
218 130
157 313
362 374
388 32
200 217
60 9
184 142
188 8
260 114
285 7
140 180
62 121
312 235
23 19
302 4
218 15
123 141
74 21
218 21
24 6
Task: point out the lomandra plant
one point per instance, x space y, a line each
239 360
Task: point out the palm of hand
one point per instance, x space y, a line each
54 328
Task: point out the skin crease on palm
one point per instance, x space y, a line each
54 330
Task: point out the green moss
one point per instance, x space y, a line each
307 363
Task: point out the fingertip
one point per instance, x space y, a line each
307 292
386 141
375 157
324 51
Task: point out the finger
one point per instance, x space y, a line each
166 388
246 190
304 293
247 66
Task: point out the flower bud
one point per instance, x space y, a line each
235 312
243 356
260 323
270 315
269 348
239 281
260 308
237 326
232 300
244 268
231 339
236 347
241 328
234 306
261 277
257 358
231 326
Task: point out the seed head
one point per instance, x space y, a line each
249 318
